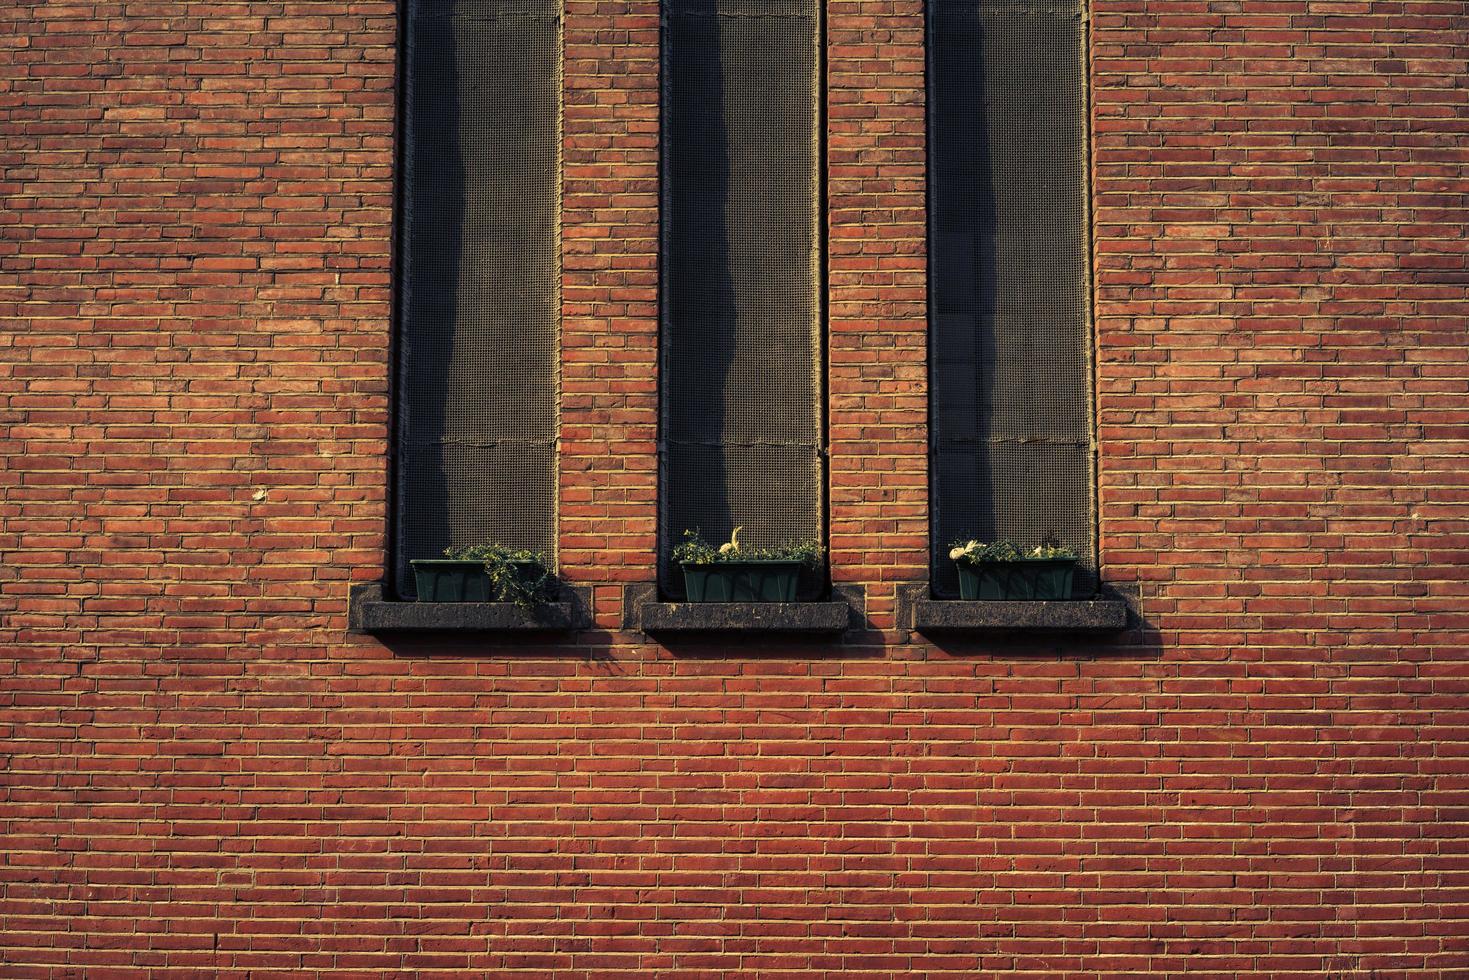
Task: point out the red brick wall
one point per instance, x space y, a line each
203 775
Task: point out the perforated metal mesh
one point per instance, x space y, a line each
741 272
1010 333
479 293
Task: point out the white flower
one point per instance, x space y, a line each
956 553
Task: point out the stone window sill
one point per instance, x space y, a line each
923 614
370 612
830 619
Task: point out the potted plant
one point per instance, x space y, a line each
1002 571
735 573
483 573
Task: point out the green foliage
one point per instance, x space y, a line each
510 579
693 549
978 552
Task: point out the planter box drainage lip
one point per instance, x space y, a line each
1055 616
369 612
811 618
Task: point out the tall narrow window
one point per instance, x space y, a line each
479 296
1009 292
742 433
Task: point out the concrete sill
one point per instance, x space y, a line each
1076 616
369 612
807 618
645 613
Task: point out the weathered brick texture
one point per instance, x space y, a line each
203 775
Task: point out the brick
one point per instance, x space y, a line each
206 775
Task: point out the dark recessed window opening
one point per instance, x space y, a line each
478 278
742 239
1010 336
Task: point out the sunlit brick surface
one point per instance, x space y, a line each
204 776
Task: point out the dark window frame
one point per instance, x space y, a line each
668 534
941 572
400 270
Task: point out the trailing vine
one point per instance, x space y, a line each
515 576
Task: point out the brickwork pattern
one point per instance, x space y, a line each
203 776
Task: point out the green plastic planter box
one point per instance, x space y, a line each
448 580
742 581
1028 578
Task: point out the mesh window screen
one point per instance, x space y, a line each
1010 331
741 301
479 293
